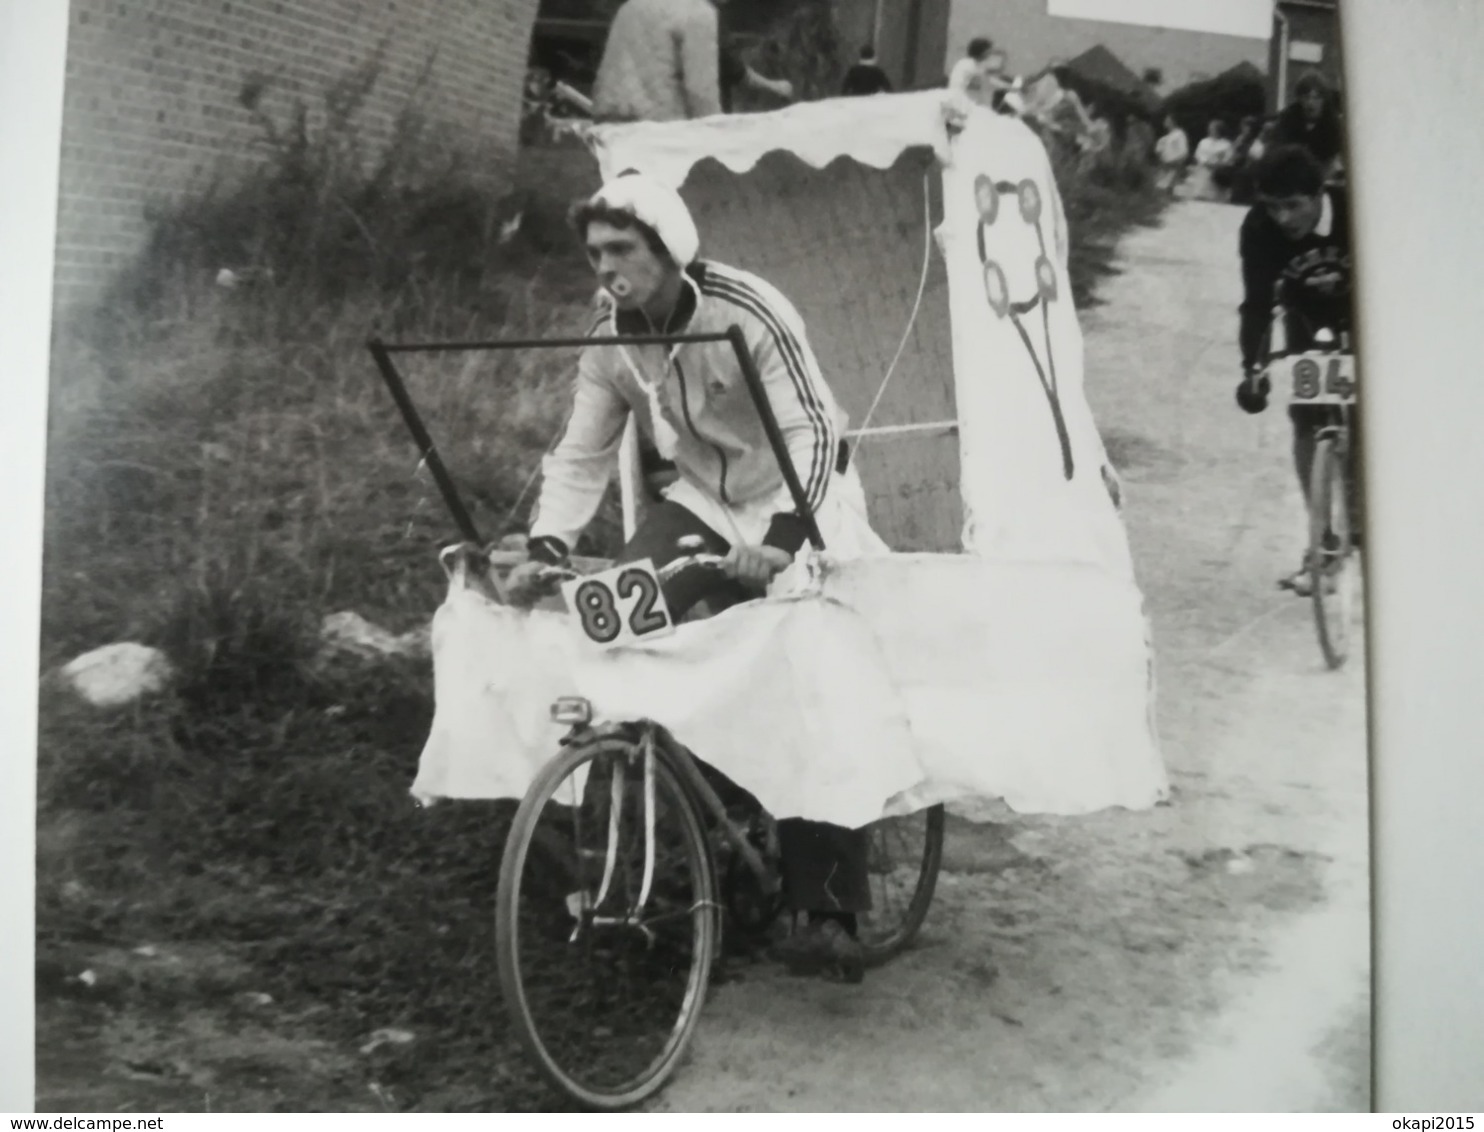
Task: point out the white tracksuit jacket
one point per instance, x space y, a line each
691 401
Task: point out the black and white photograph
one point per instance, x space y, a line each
704 556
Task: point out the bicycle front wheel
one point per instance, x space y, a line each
904 855
606 923
1331 552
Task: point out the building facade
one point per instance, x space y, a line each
156 93
1306 37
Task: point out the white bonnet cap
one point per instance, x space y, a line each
657 205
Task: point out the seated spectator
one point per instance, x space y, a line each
866 76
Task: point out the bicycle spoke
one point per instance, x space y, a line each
904 855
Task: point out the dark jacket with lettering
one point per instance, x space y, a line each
1314 273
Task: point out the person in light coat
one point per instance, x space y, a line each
661 63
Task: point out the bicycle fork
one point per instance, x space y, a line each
635 915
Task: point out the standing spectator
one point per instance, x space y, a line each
734 71
1173 151
866 76
1214 152
1312 120
661 63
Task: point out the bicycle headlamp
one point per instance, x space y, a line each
572 711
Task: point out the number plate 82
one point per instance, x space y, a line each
619 606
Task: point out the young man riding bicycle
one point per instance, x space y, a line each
692 405
1295 249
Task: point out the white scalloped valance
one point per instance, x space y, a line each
874 131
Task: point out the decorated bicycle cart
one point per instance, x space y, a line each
998 658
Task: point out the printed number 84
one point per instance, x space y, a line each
1306 380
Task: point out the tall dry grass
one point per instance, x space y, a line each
224 468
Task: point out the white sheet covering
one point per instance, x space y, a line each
815 132
1018 501
893 682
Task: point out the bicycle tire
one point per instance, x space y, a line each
572 1068
1331 574
885 934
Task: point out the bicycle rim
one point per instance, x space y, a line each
1331 555
905 854
606 1009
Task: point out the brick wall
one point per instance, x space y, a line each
152 104
1033 39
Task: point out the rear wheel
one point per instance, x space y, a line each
1332 572
904 856
606 922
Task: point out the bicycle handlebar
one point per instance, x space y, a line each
550 576
685 562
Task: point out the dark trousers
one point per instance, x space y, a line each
824 866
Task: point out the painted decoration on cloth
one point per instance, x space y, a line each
987 193
1036 480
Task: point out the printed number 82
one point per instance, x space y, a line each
597 606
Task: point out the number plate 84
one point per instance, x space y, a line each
619 606
1324 379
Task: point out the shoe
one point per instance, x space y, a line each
822 946
1298 582
1301 582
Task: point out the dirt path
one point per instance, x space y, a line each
1212 954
